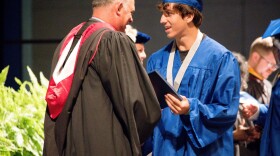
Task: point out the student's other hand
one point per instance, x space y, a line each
177 106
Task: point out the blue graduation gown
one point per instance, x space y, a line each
271 137
211 84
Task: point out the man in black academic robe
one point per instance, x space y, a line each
111 108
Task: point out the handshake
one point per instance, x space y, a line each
249 106
245 128
248 110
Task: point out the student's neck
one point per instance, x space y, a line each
186 41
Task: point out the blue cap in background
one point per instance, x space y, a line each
273 29
142 37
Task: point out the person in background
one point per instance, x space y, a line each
206 75
271 138
268 115
99 100
261 64
243 128
140 39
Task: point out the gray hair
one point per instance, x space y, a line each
97 3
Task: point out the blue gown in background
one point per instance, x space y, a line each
211 84
271 133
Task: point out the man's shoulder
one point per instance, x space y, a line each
110 36
115 35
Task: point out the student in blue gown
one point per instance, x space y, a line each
271 137
206 75
271 133
269 116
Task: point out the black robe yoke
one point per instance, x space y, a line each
114 107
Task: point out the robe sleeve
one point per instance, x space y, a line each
271 136
128 86
207 122
263 109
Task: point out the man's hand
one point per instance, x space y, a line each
177 106
248 110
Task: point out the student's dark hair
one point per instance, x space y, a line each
183 10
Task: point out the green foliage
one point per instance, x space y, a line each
22 116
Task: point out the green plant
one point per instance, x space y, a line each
22 115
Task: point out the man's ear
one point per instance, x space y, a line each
255 56
119 7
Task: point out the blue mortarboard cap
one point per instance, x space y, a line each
194 3
273 29
142 37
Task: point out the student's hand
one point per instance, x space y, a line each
253 134
244 132
240 135
177 106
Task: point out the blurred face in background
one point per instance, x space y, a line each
141 51
265 64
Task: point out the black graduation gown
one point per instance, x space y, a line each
260 89
111 110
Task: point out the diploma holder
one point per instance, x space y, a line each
162 87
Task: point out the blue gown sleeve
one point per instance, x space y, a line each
262 115
210 120
271 136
